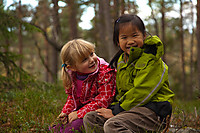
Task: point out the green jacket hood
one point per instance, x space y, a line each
152 45
152 49
153 42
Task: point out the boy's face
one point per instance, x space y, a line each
130 36
87 65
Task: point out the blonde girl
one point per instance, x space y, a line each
89 83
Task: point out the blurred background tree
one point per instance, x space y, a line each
36 35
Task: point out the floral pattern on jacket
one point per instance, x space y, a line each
98 91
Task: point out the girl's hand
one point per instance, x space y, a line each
106 113
73 116
63 118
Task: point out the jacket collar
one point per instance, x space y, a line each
136 53
155 41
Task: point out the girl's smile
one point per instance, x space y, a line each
88 64
130 36
92 66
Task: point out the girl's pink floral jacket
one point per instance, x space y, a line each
98 91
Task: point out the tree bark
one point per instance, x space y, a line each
103 51
95 31
20 34
56 36
153 17
44 11
191 54
48 74
198 43
182 49
122 7
108 30
163 25
73 24
116 9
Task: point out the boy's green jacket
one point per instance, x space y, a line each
144 78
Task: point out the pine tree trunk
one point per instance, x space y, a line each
116 9
191 54
109 31
73 24
20 35
198 43
43 10
163 25
47 75
97 28
122 7
56 36
47 47
102 48
155 20
182 50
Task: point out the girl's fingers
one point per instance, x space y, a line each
62 115
70 120
64 120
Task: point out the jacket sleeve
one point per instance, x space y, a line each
147 83
106 91
69 105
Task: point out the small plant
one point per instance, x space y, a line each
186 114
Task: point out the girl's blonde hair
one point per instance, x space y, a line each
73 52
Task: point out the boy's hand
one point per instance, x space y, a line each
73 116
63 118
106 113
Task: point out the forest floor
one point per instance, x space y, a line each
185 116
183 130
33 110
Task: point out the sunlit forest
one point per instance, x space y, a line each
31 37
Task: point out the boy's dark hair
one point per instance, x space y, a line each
125 18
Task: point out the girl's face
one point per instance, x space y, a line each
87 65
130 36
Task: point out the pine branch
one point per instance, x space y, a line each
52 43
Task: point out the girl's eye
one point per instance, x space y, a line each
85 59
135 35
123 37
92 54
